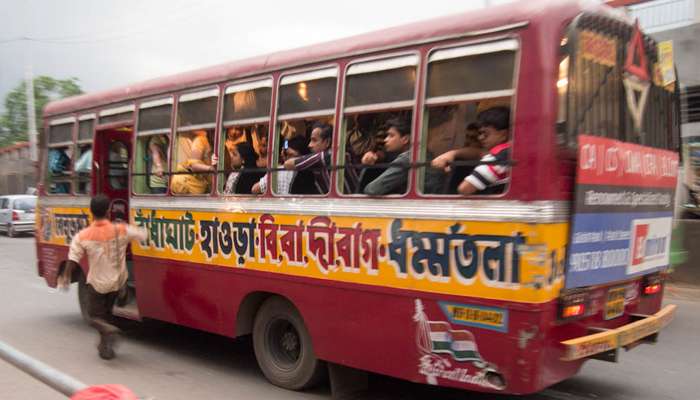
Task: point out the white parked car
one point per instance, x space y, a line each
17 214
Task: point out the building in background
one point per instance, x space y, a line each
678 21
17 171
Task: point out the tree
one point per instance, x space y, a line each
13 123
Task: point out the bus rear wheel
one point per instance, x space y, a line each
283 346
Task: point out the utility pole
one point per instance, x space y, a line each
31 115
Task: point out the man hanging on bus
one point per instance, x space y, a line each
491 176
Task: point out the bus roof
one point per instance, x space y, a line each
475 22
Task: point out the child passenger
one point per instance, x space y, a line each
489 177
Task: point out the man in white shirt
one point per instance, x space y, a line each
105 245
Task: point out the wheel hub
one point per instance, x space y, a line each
290 341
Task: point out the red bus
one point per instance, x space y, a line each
507 290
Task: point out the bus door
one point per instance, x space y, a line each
112 154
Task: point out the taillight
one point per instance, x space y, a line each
573 305
652 285
652 289
15 216
575 310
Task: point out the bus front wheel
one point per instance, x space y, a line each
283 346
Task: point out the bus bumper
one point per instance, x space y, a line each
605 344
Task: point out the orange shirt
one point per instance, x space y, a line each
105 244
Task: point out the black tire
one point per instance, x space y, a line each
83 297
283 346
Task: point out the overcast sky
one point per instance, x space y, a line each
107 44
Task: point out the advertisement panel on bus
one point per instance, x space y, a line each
622 217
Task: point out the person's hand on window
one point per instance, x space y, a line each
443 161
214 161
370 158
289 164
158 170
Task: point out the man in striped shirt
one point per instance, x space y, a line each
319 159
491 176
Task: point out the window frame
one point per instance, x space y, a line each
176 130
243 85
124 108
82 142
378 108
150 103
47 179
194 95
276 122
456 99
309 73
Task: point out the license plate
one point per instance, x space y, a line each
28 217
615 303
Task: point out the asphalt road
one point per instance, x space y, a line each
166 362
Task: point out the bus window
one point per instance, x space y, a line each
113 115
595 100
245 136
376 92
83 163
192 162
303 145
153 142
462 83
60 156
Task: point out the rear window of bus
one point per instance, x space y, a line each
461 83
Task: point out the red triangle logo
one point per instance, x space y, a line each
636 62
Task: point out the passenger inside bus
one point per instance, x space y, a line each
318 160
365 145
259 135
394 179
195 162
494 135
297 146
59 161
156 163
244 174
83 167
234 135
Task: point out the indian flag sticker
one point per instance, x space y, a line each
458 343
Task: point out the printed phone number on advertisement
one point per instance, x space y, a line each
592 260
